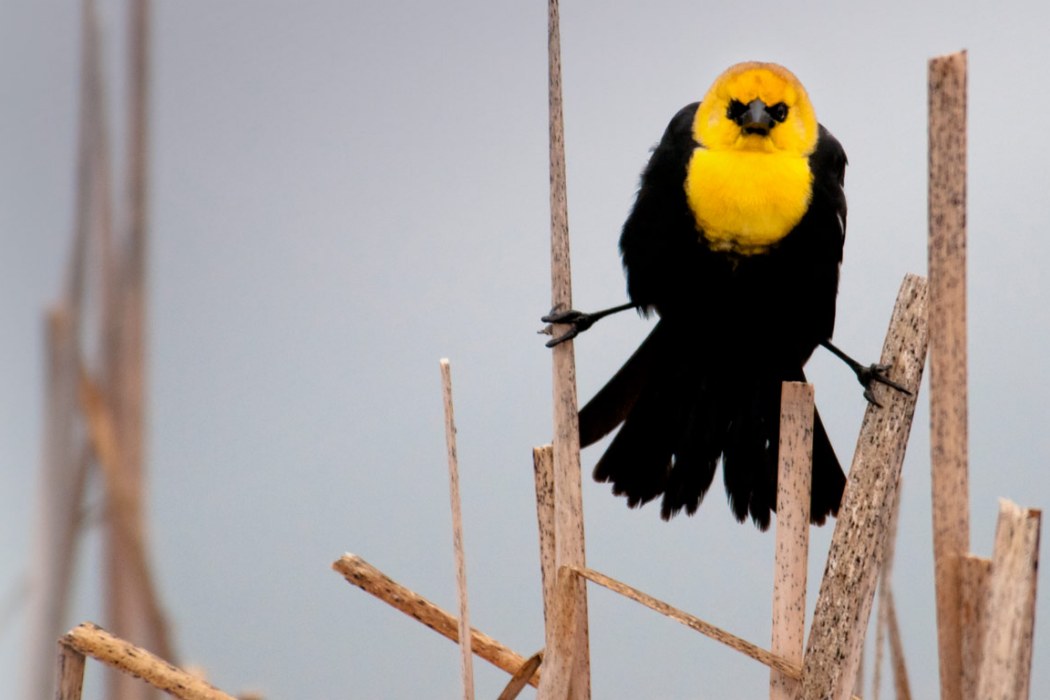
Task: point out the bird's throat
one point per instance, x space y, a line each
746 201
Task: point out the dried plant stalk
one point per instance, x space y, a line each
521 679
858 543
466 657
794 479
901 687
62 479
70 673
792 670
948 411
885 594
1009 614
973 590
371 580
90 640
543 468
567 660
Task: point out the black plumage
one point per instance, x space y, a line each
705 384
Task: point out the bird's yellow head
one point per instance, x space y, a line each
757 107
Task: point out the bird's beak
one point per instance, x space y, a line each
756 120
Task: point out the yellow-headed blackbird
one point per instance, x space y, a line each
735 240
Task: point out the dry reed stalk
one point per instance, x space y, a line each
1009 613
106 448
466 657
900 667
132 596
567 656
62 482
902 690
131 592
774 661
70 673
858 543
131 607
880 640
102 434
858 682
91 154
543 470
768 658
794 479
136 663
973 590
564 620
948 410
521 679
63 473
371 580
886 593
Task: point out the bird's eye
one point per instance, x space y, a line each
779 111
736 110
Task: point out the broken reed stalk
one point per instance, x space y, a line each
70 673
857 547
133 662
774 661
792 533
521 679
567 662
543 469
1009 612
948 410
371 580
973 588
466 657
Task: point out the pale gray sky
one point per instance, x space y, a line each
343 193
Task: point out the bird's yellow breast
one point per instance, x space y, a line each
747 200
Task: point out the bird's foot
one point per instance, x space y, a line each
875 373
866 375
578 321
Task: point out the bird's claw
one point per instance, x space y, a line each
877 373
578 320
570 316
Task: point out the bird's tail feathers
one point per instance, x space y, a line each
680 415
611 405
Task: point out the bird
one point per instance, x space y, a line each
734 241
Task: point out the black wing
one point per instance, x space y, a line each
659 236
824 229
